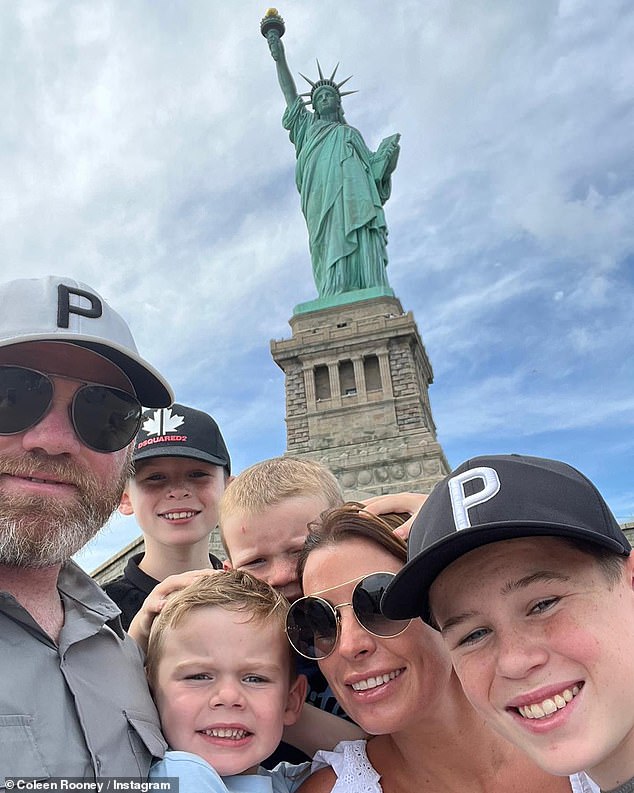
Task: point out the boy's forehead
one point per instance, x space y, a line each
269 639
173 462
274 526
502 562
291 513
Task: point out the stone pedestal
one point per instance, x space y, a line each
356 396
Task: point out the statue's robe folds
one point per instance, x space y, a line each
342 201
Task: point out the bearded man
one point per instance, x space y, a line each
73 696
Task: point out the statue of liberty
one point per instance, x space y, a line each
343 185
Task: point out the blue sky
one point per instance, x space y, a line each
142 152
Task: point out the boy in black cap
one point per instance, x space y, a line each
521 565
181 469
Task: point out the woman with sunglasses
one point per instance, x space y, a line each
394 678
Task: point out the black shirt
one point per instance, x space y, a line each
130 590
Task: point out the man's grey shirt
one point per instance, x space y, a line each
78 708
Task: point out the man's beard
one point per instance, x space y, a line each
36 531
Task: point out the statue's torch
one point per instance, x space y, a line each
272 22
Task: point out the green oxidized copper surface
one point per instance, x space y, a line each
342 184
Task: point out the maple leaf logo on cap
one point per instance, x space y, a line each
162 421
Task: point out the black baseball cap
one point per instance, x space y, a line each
181 431
488 499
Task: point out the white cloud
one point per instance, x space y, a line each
142 152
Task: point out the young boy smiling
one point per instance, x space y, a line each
224 682
264 517
521 565
181 468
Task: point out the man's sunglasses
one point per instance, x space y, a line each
105 419
313 624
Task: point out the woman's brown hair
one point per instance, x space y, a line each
351 522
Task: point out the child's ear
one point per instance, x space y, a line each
125 505
295 700
226 565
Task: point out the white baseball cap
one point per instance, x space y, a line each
56 308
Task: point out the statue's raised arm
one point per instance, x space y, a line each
342 183
284 76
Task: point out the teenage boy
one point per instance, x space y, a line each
520 564
224 704
181 467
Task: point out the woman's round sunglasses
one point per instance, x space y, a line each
105 419
313 624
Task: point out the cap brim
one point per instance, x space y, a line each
178 451
152 389
407 596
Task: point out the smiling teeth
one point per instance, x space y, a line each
550 705
221 732
178 515
373 682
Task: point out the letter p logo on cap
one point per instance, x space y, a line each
65 308
461 503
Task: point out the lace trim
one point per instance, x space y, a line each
355 773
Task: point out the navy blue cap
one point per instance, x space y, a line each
181 431
488 499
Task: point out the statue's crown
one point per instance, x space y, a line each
326 81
